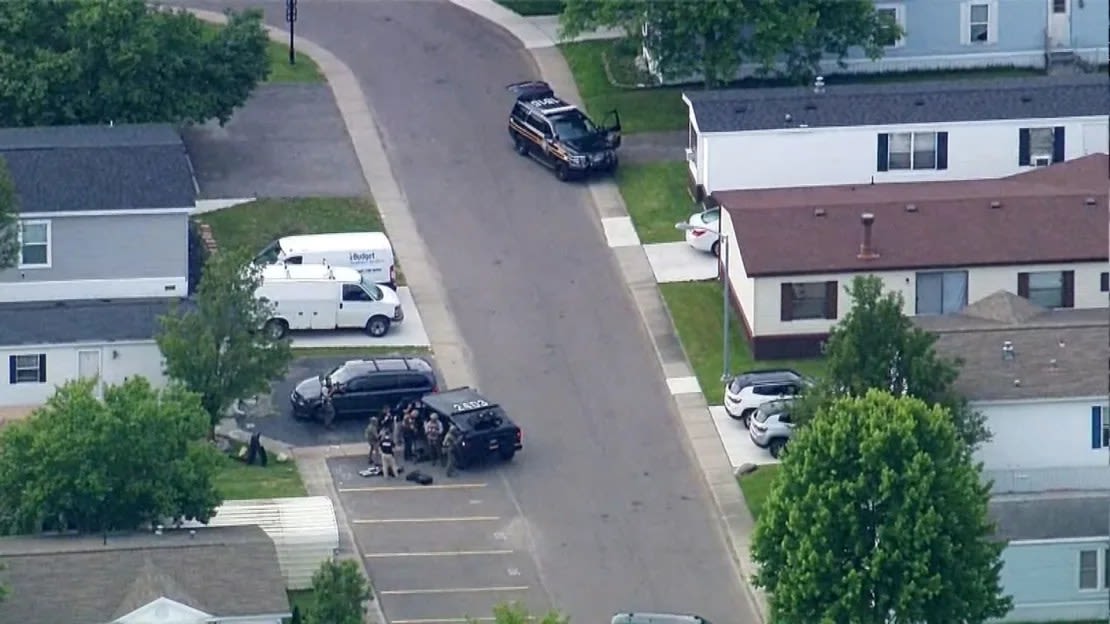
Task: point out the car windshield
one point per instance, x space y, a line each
572 126
768 410
371 289
710 217
269 254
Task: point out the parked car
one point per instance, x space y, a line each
746 392
657 618
322 297
369 253
361 388
705 236
771 427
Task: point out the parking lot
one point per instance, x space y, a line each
440 553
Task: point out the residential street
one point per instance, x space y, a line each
541 304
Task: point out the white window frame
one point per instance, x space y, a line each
39 372
899 18
49 244
913 151
1100 566
1034 155
991 23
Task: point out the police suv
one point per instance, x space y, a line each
484 428
560 135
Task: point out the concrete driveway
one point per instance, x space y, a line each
541 304
287 141
443 552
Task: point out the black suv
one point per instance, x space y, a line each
559 135
364 387
484 428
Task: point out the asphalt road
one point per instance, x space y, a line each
616 515
287 141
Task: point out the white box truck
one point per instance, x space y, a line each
369 253
318 296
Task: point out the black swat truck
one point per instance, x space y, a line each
484 428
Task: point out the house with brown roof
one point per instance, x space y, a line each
1039 377
791 252
885 132
203 576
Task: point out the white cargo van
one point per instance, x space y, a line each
369 253
318 296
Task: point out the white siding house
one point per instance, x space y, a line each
864 134
942 245
104 251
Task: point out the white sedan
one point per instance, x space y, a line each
702 231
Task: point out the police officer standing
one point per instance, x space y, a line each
389 463
372 439
433 432
327 409
409 427
450 444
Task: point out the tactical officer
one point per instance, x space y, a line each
409 427
433 433
327 409
450 445
372 439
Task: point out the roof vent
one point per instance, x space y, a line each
1008 351
1052 364
1060 343
787 119
866 249
995 205
819 85
919 102
1017 383
1090 201
818 212
1025 99
911 207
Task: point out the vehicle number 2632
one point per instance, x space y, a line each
466 406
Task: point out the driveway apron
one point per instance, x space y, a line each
618 518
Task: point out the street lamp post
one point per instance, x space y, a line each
291 19
723 238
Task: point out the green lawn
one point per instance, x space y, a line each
236 480
657 198
281 72
695 308
533 7
756 486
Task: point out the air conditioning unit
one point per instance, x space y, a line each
1042 161
690 155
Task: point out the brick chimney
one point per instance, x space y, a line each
866 249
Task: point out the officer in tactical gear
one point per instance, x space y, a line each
372 440
433 433
450 444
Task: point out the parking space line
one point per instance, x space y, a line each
442 553
409 488
452 590
417 520
444 620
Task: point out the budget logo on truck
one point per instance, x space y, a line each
363 257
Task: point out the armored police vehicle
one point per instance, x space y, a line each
559 135
484 428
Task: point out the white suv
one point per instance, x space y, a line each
748 391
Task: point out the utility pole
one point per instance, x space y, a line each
291 19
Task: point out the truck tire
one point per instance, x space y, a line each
377 326
562 172
506 454
276 329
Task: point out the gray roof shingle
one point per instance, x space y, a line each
901 103
227 571
62 322
90 168
1053 516
1057 353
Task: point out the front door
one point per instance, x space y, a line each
88 366
1059 23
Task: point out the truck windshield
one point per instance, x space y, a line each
371 289
269 254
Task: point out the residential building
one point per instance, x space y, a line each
1056 556
792 252
963 34
202 576
880 133
104 251
1039 378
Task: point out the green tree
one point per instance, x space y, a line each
81 463
879 515
9 219
516 613
214 347
123 61
338 593
877 346
711 38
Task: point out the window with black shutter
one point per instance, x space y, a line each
1104 282
27 368
883 153
1058 144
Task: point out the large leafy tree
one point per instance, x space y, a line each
215 347
879 516
123 61
9 219
338 593
516 613
81 463
877 346
711 38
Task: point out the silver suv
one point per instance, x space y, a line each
657 618
771 427
747 391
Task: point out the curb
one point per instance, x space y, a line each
703 441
